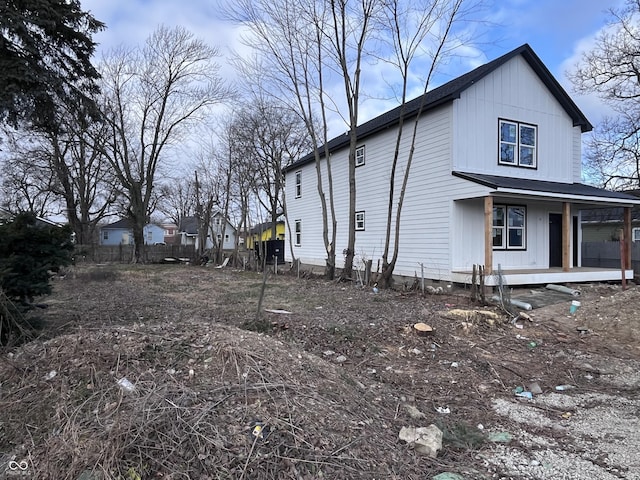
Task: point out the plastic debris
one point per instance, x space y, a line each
375 290
561 388
50 375
563 289
448 476
532 344
443 410
126 385
575 305
500 437
527 395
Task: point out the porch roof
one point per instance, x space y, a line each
575 192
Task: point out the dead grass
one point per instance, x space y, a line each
212 400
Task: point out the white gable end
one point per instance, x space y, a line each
514 92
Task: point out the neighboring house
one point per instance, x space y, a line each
263 231
121 233
604 224
171 235
6 215
495 181
188 232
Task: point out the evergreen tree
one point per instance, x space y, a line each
45 58
29 251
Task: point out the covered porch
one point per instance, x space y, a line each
549 248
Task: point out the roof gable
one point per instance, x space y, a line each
452 90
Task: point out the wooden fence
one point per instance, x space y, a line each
607 255
124 253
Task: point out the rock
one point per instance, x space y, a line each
341 359
534 388
414 413
424 440
328 353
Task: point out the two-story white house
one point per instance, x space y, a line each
495 181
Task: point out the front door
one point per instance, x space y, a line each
555 240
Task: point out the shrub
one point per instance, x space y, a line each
29 251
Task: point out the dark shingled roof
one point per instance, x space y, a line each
611 214
452 90
124 223
579 189
189 225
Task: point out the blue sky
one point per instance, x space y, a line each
558 30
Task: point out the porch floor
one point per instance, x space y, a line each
537 276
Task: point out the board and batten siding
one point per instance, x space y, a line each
514 92
467 250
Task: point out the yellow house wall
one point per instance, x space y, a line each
266 235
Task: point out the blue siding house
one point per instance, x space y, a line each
121 233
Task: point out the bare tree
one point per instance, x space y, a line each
350 29
152 96
288 37
65 163
408 26
272 137
27 185
177 198
611 70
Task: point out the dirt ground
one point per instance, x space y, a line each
319 385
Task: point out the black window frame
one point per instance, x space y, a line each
517 144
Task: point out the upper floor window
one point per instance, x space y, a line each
635 234
298 184
509 227
359 220
360 156
518 144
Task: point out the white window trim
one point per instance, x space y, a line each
635 234
517 144
506 228
298 186
361 214
297 233
360 156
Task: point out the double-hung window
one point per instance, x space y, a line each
359 220
298 184
518 144
509 227
360 156
298 233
